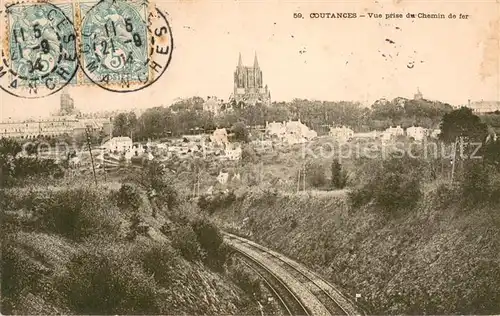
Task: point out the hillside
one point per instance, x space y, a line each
430 261
96 250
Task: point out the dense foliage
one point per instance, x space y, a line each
187 116
393 186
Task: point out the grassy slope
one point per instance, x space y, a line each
36 260
429 261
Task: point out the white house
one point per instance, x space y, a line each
219 137
299 129
275 129
232 153
416 132
223 177
392 132
342 134
435 133
120 144
137 149
292 131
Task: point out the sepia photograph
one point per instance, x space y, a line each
247 157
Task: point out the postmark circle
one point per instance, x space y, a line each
39 51
125 46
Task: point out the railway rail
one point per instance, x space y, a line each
286 297
317 295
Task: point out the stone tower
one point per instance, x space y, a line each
67 104
248 84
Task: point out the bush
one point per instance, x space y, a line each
315 174
393 186
244 280
20 274
339 177
360 196
240 132
186 241
248 154
446 194
161 261
76 213
211 203
211 241
103 281
397 191
154 178
129 197
475 182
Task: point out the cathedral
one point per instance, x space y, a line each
248 84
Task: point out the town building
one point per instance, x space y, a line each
213 105
479 107
392 132
219 137
64 122
292 132
300 130
418 133
223 177
418 95
275 129
341 134
67 105
248 84
435 133
31 129
119 144
233 153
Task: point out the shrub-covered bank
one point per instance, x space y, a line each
436 259
94 250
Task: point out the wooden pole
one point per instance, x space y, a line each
298 180
91 156
454 160
304 177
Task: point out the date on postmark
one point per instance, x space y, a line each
38 47
124 45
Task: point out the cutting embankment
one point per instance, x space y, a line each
95 250
438 255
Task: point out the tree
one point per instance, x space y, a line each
339 178
9 148
193 103
124 124
462 123
240 132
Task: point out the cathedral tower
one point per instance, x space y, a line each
248 84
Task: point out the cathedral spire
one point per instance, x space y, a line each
240 64
255 61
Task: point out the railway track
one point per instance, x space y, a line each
317 295
287 299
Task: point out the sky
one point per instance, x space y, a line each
323 59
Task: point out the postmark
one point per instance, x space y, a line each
39 49
125 45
